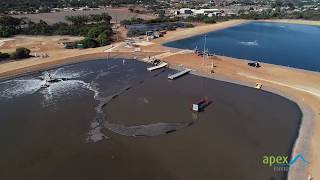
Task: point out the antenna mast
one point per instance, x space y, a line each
204 46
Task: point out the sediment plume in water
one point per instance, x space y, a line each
155 129
72 83
150 130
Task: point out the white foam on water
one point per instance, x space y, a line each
249 43
22 87
19 87
58 90
66 73
62 89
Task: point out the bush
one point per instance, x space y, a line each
62 29
32 28
95 31
4 56
133 33
209 20
133 21
201 18
188 25
20 53
7 31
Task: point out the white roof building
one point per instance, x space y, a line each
205 11
188 11
185 11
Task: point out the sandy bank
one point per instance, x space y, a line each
293 21
52 45
200 29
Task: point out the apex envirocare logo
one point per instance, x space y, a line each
282 163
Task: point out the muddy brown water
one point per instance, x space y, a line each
43 132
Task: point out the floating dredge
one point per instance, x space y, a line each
51 80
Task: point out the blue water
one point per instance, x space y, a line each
282 44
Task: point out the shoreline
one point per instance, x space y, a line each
271 76
293 21
198 30
63 62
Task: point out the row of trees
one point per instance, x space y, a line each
201 18
150 21
138 27
198 18
20 53
84 19
270 14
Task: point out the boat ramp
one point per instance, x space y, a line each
178 74
161 65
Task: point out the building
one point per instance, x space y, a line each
186 11
215 14
207 12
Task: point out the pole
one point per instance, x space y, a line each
204 46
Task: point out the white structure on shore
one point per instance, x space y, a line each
207 12
185 11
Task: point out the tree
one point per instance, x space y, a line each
7 31
209 20
62 29
106 17
9 21
104 39
77 20
100 17
20 53
94 32
89 43
96 18
9 26
41 28
291 5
